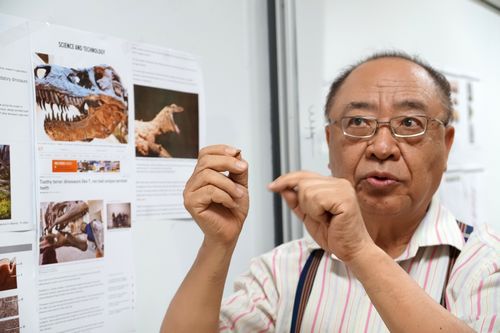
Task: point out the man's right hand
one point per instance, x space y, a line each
216 201
216 195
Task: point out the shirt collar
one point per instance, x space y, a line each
439 227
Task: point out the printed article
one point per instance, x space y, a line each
168 117
95 133
16 148
83 104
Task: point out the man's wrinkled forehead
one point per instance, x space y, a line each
387 79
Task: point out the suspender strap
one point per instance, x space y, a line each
454 252
304 288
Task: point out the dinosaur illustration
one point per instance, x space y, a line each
147 131
82 104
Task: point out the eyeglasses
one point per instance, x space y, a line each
401 126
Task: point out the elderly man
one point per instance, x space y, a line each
382 252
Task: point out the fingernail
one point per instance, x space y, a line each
241 165
231 151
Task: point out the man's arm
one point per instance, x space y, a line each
402 304
219 205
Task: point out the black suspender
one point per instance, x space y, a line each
304 288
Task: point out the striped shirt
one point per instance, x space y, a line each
264 296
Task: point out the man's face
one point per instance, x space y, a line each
392 176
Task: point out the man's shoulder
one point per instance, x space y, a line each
480 255
484 235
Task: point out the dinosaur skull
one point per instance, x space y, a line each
60 214
81 104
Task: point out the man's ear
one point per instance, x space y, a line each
327 134
449 136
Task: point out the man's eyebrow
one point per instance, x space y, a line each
358 105
411 104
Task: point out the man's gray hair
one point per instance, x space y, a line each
440 80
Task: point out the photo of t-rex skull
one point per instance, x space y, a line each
82 104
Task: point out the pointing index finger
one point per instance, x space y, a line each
289 181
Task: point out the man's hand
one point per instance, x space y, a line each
216 195
329 209
218 202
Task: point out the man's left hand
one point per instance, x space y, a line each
329 209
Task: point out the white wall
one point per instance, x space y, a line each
459 36
230 36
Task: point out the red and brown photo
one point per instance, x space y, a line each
8 274
9 307
10 325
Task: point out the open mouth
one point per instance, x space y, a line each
57 106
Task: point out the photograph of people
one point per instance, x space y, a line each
118 215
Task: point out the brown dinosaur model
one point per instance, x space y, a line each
64 226
147 131
59 215
82 104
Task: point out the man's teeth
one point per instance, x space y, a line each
61 112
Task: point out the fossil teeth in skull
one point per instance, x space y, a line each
73 110
94 97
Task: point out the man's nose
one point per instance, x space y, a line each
383 145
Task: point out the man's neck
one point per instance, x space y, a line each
393 233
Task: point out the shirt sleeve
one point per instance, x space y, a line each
252 308
473 293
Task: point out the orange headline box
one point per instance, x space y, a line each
64 166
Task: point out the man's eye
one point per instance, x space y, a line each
410 122
357 121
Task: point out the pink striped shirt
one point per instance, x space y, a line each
264 296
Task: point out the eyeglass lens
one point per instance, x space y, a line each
403 125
